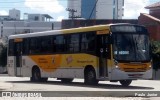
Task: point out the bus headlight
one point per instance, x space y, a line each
117 66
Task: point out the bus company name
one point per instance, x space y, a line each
69 59
42 60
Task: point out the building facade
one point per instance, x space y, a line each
14 14
98 9
20 27
12 24
152 21
154 9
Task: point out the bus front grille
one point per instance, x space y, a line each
134 69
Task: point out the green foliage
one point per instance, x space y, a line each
3 55
155 48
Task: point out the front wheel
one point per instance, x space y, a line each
36 76
90 78
44 79
125 82
66 80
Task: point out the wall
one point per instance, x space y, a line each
103 9
155 13
81 23
19 27
152 25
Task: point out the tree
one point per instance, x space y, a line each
3 54
155 48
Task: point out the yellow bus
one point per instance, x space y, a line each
114 52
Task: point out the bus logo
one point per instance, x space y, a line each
69 59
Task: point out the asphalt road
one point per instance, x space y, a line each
105 89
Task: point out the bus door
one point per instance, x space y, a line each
103 55
18 58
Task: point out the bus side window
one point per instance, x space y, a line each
59 44
25 46
91 41
46 44
34 45
11 48
84 42
53 44
73 43
88 42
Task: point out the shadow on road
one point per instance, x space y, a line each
81 84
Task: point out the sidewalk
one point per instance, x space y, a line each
3 69
4 75
4 85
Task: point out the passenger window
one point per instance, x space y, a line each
74 43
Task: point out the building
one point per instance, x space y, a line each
154 9
13 15
97 9
76 5
20 27
152 21
12 24
38 17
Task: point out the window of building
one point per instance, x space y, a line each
36 18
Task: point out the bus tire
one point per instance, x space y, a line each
44 79
36 75
90 77
66 80
31 79
125 82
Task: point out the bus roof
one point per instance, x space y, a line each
66 31
62 31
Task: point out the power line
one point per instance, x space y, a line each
72 11
93 9
72 16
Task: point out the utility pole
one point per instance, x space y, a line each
72 16
117 9
1 29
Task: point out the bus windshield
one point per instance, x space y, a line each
131 47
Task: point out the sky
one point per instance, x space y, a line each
57 8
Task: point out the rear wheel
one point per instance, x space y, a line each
66 80
125 82
90 78
44 79
36 76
